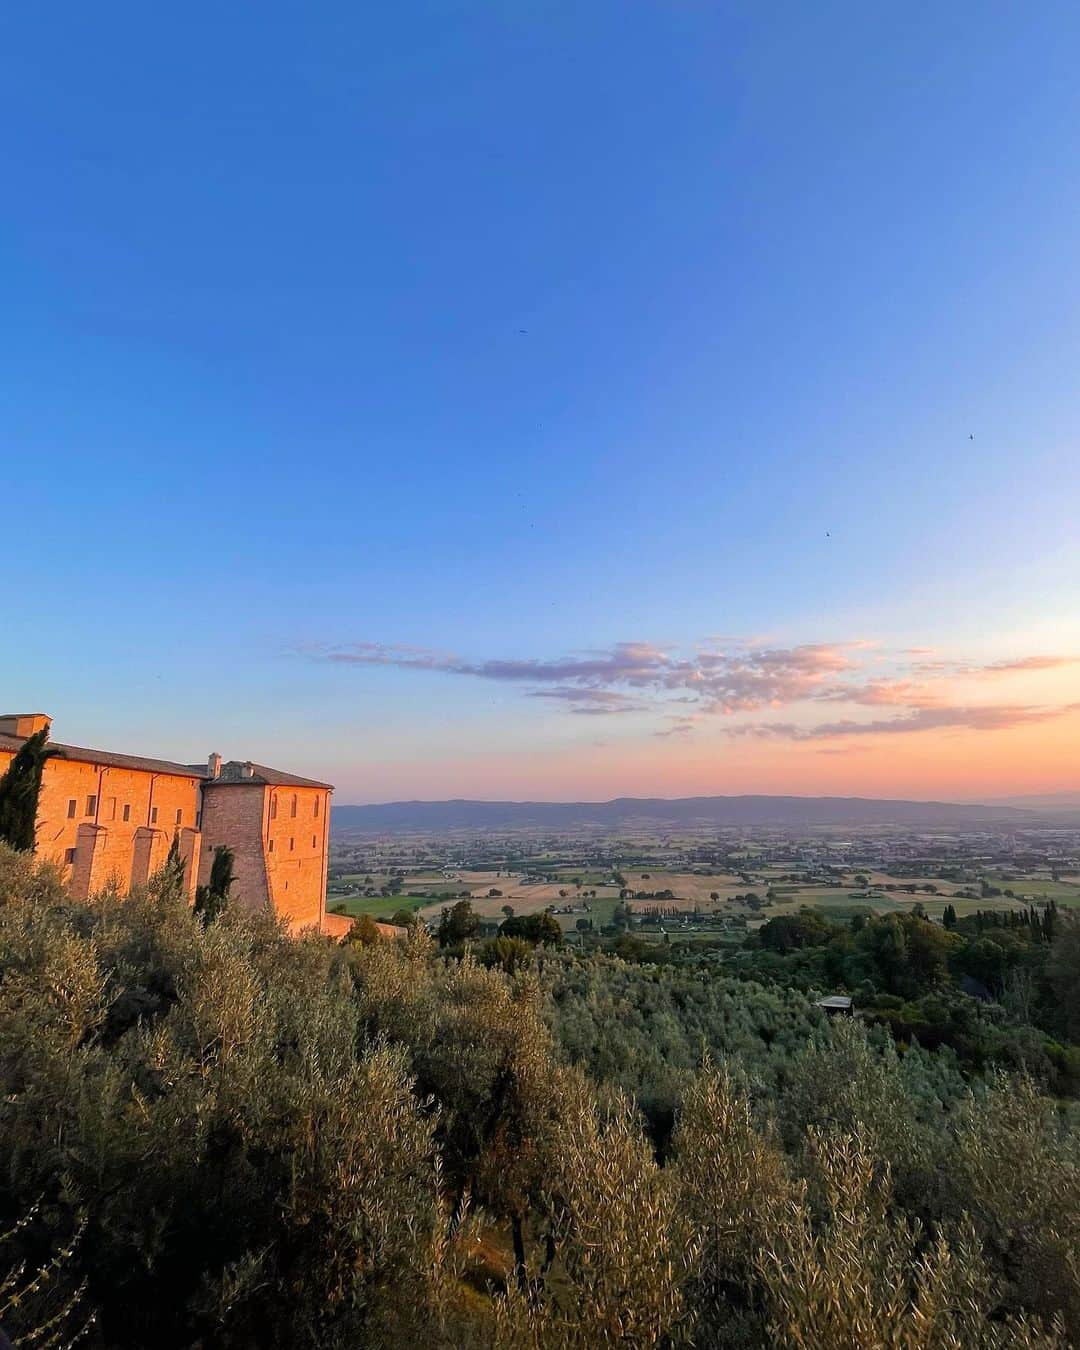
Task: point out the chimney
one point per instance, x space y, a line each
23 724
213 766
247 770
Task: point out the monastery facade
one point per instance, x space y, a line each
106 817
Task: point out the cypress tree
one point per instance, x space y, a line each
168 882
210 900
20 789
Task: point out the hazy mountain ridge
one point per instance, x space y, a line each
742 810
1042 801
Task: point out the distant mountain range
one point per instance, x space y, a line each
1043 802
685 811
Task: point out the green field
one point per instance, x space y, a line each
379 907
833 898
600 911
1042 888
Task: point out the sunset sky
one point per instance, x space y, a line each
548 400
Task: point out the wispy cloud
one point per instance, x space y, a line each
680 726
1026 663
595 702
738 679
944 667
999 717
721 682
633 663
883 694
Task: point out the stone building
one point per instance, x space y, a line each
106 817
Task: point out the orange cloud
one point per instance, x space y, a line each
683 690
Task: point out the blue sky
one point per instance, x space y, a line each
514 332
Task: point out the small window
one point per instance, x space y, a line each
292 844
179 815
293 804
127 811
153 815
73 806
314 842
91 804
69 855
316 808
110 809
273 808
271 846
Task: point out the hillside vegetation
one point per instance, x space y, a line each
212 1135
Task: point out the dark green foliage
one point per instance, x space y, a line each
534 928
790 932
171 878
364 931
645 1028
249 1176
992 986
458 924
1063 978
281 1142
210 900
508 953
20 788
41 1304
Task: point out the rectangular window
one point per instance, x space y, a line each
179 815
72 808
91 804
316 808
69 855
292 844
271 849
110 813
314 842
294 804
273 808
153 815
127 811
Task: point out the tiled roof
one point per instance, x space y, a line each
235 772
85 756
232 772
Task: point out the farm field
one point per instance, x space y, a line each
534 899
379 907
1066 891
689 888
841 897
689 892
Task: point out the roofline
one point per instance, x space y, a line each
263 775
258 780
115 759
